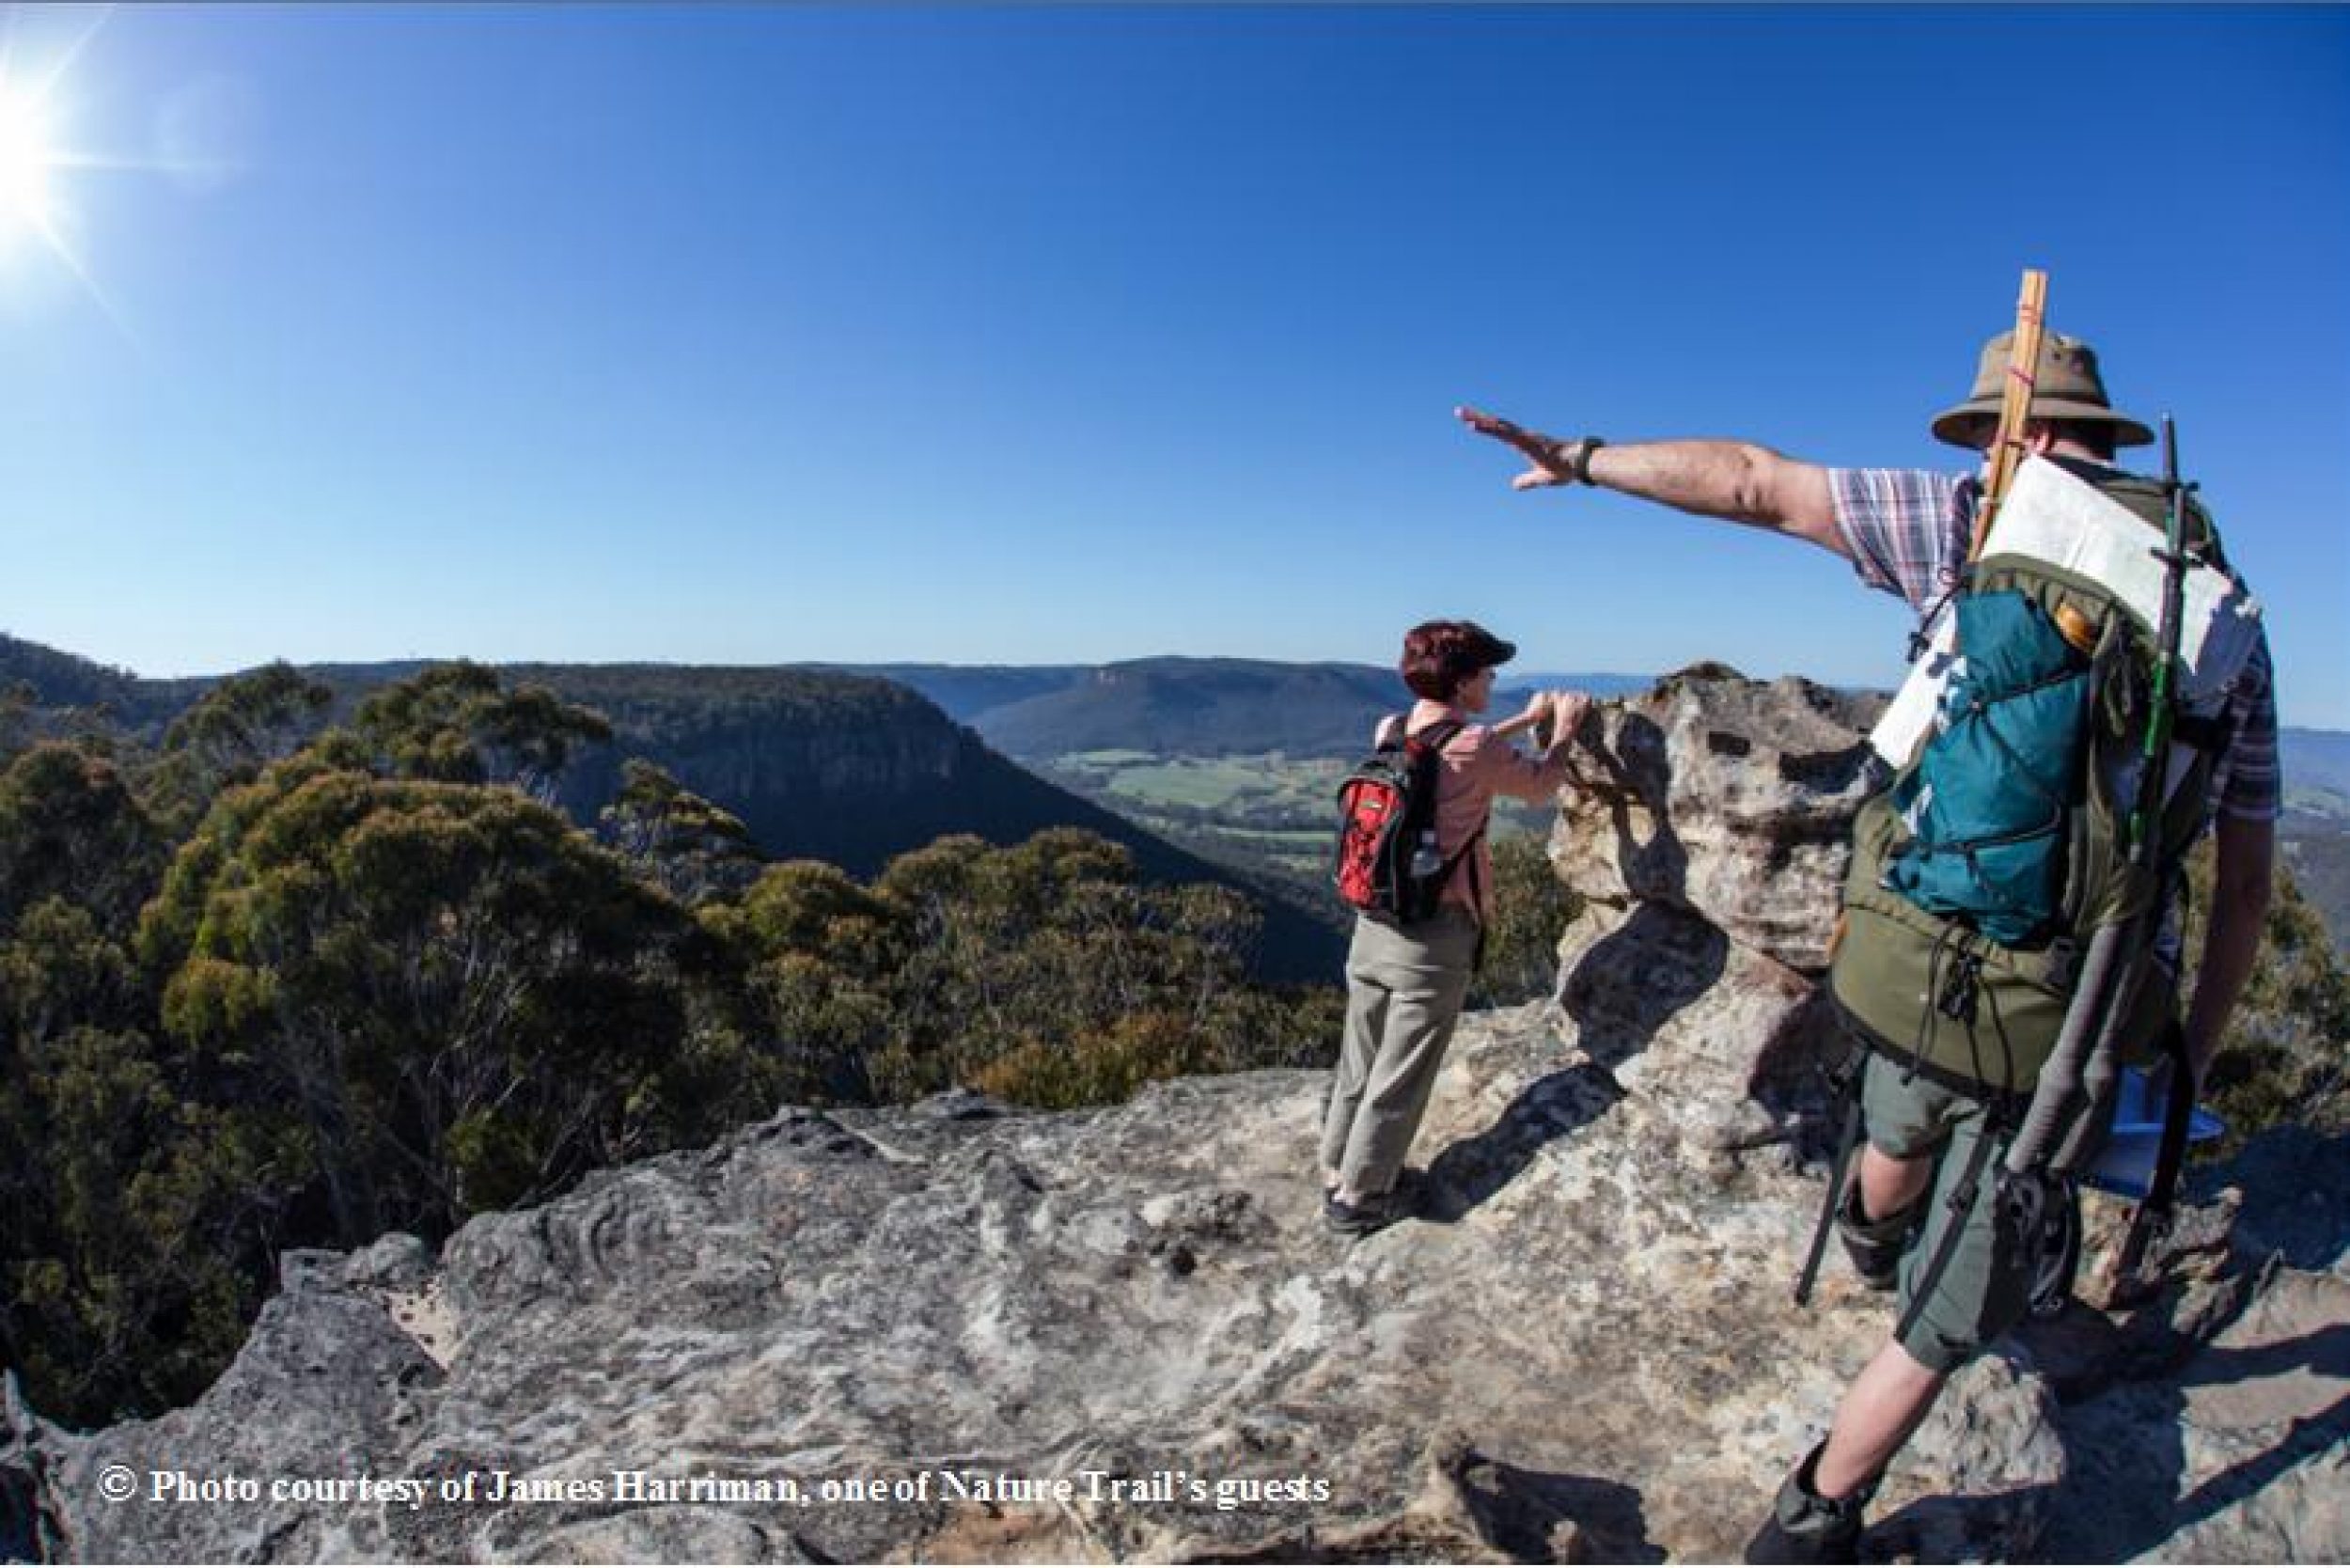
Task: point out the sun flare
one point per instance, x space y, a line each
27 159
39 162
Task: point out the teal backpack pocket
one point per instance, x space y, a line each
1986 806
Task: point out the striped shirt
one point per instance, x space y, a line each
1909 530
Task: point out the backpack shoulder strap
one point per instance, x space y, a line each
1440 734
1432 742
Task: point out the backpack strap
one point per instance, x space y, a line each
2211 735
1845 1080
1961 1207
1437 737
1433 740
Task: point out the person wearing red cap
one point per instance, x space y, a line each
1406 980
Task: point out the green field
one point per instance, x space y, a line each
1313 837
1269 813
1272 791
2316 800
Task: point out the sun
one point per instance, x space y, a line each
28 159
38 163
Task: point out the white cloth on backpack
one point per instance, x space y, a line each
2060 520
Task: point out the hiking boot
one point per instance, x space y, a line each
1804 1527
1875 1245
1375 1213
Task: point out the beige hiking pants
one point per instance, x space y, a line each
1404 986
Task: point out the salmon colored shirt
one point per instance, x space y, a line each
1476 766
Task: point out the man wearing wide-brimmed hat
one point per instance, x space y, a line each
1908 532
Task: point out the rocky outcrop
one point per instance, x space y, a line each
953 1290
1586 1352
1726 799
1705 830
954 1331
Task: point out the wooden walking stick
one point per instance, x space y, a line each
2023 365
2006 448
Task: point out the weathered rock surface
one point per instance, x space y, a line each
1585 1350
1728 798
1590 1338
1722 1040
2232 1432
1705 830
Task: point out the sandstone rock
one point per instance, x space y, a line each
1729 798
1724 1043
2236 1457
1586 1352
1705 832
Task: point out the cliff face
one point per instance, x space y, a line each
854 771
818 763
1071 1337
828 767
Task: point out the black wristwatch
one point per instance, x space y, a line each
1581 467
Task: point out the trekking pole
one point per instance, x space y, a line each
2023 366
2086 1050
2144 848
1847 1140
2152 1217
2106 978
2155 758
2149 1219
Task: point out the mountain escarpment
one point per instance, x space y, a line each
957 1330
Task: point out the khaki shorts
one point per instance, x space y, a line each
1986 1287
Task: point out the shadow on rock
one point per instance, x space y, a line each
1664 956
1478 1509
2112 1508
2326 1354
2121 1499
1997 1527
20 1519
1630 983
1475 1167
2305 1438
1535 1516
1638 788
2296 1187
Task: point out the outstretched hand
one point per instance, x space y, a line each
1548 457
1568 710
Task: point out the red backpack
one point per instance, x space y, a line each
1388 862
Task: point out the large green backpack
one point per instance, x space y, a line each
1980 874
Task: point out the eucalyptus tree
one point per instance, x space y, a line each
457 723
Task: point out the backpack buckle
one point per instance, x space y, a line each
1957 1001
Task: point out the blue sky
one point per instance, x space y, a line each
754 335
